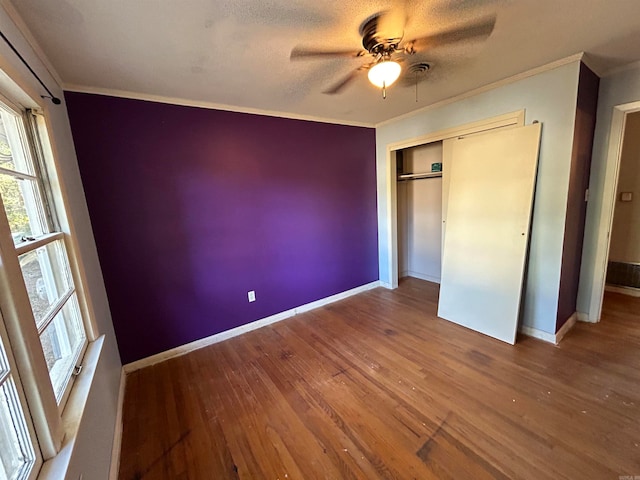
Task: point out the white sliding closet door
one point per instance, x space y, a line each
491 185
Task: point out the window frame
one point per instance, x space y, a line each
30 372
14 375
25 143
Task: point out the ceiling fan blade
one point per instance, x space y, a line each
338 87
477 29
299 53
391 24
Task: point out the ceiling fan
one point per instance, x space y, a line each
383 41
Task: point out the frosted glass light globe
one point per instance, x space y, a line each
384 73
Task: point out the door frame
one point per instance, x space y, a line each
512 119
609 193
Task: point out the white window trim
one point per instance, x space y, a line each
56 467
55 428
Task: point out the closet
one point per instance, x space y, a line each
488 184
419 206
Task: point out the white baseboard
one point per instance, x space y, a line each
421 276
234 332
386 285
634 292
550 337
117 435
539 334
584 317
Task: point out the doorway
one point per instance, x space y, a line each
611 197
623 262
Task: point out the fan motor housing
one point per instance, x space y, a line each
373 43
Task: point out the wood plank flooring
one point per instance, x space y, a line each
376 386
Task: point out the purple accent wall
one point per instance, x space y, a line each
584 128
191 208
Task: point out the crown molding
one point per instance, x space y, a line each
209 105
623 68
274 113
592 65
491 86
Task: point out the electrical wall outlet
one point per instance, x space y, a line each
626 196
252 296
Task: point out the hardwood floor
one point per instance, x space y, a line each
376 386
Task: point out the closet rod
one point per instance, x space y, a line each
418 176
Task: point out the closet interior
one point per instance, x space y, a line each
419 203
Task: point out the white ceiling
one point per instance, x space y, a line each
236 52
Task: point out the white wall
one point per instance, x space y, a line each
403 230
549 97
625 234
420 214
616 89
92 456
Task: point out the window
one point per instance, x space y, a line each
43 331
18 457
41 253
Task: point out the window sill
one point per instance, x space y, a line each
56 467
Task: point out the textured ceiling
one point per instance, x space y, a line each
236 52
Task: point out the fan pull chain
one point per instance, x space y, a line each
384 90
415 75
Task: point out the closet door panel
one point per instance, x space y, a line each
490 195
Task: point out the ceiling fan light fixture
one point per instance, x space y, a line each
384 73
